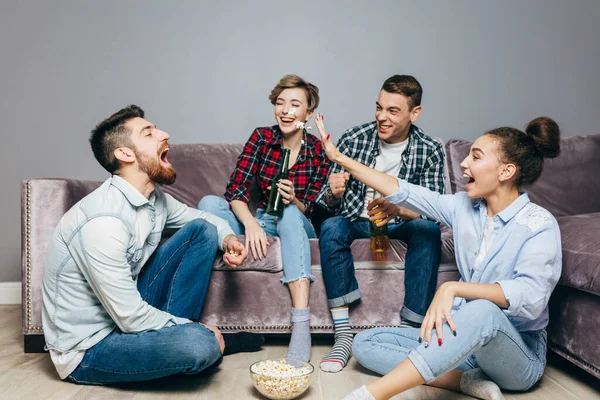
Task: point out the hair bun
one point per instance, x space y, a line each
545 133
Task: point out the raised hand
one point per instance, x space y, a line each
329 148
337 183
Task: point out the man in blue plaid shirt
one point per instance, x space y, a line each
391 144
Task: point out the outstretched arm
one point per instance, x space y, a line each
380 182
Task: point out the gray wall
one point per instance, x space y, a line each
202 70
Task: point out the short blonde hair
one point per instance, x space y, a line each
294 81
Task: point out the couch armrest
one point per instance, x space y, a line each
43 203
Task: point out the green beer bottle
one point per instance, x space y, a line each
275 206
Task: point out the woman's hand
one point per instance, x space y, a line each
256 240
438 311
286 189
329 148
235 252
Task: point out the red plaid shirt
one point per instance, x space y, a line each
261 159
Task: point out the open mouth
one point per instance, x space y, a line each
469 179
163 156
384 127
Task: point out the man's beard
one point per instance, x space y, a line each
156 172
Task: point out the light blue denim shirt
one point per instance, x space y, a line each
94 258
525 257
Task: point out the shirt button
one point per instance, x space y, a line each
152 219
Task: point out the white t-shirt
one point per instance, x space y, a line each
388 161
486 242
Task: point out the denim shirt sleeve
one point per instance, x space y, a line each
99 248
535 274
179 214
424 201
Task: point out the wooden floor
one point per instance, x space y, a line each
32 376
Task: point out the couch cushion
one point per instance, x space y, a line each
203 169
581 252
569 185
361 251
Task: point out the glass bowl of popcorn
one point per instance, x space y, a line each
281 379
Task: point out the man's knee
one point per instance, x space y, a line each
334 228
203 230
210 203
425 230
199 346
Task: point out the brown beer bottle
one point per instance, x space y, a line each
275 206
379 235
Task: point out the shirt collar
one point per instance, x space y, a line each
131 194
277 140
510 211
514 207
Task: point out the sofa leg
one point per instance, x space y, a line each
34 343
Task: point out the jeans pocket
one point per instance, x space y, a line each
536 341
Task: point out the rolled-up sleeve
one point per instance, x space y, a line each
535 275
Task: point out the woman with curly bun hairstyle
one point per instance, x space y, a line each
486 332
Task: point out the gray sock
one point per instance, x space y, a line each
360 394
477 384
300 342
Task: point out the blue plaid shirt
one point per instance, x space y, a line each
422 163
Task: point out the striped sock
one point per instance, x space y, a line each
339 355
406 323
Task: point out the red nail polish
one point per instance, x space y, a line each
327 137
440 341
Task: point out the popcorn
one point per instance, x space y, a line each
234 253
291 111
300 125
279 380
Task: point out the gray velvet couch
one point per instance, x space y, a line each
252 298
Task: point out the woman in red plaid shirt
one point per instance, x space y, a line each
295 101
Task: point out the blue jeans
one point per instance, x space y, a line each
485 338
423 240
175 279
293 229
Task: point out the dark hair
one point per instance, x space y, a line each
528 149
405 85
294 81
111 134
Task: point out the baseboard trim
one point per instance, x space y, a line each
10 292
